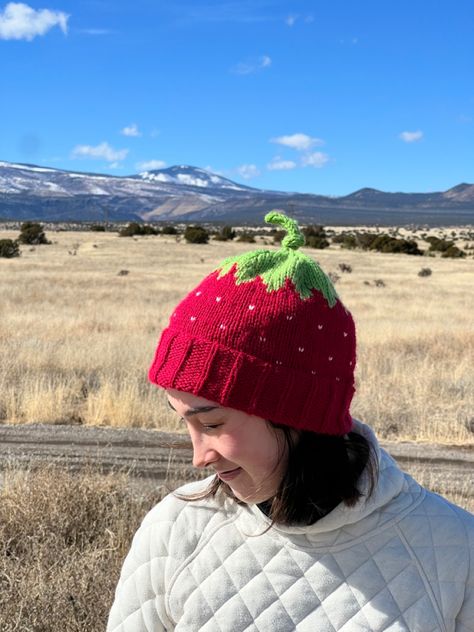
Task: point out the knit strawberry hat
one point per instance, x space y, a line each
265 333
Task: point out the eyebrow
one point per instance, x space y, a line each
194 411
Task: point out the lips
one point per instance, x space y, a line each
230 474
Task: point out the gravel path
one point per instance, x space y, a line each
156 457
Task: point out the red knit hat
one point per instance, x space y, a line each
265 333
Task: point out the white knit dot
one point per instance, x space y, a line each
193 318
313 372
338 379
218 298
198 293
251 306
345 334
278 362
320 326
289 317
301 349
350 363
330 358
222 326
174 315
262 339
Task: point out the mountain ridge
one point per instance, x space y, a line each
184 192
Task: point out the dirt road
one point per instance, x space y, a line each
159 457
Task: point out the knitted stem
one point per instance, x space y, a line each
274 268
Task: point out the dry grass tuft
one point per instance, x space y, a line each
63 537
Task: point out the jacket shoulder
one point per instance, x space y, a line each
177 523
167 536
438 523
440 539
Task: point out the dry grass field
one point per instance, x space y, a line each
76 336
63 539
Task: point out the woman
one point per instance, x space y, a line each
306 523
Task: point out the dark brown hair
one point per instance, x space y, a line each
322 471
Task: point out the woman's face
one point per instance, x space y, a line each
242 449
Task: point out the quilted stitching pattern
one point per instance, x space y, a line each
404 565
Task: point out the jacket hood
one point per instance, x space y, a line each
367 514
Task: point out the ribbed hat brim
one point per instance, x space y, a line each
238 380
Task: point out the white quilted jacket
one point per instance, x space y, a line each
403 561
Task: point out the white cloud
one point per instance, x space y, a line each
131 130
248 171
353 41
95 31
297 141
411 137
278 164
19 21
103 150
317 159
150 165
291 19
253 65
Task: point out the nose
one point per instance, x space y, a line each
203 453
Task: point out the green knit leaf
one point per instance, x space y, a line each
275 268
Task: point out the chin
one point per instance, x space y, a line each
246 498
250 499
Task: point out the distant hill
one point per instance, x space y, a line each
186 193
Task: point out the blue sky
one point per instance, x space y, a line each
322 97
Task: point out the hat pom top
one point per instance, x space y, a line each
274 268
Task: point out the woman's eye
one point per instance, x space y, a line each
212 427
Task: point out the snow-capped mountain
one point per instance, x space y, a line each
193 177
190 193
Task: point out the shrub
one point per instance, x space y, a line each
345 267
169 230
246 237
385 243
134 228
9 248
439 245
346 240
32 233
131 229
453 252
317 242
365 240
278 235
314 231
315 237
424 272
97 228
226 233
196 235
